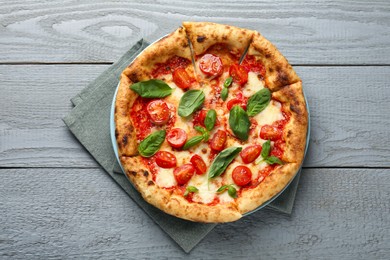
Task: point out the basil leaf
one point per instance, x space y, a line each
203 131
224 93
152 143
190 189
239 122
232 191
222 161
192 142
228 82
190 102
273 160
258 102
210 119
222 188
153 88
265 149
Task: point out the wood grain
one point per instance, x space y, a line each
349 115
81 213
337 32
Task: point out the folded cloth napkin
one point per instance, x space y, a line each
89 121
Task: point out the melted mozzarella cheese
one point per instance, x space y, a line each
253 85
270 114
165 178
206 191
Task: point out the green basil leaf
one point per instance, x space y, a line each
222 161
224 93
222 188
190 189
153 88
152 143
258 102
232 191
210 119
228 82
203 131
273 160
239 122
191 101
192 142
265 149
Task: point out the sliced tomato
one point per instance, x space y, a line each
165 159
182 79
218 141
199 117
199 164
236 101
158 112
278 149
211 65
250 153
269 132
176 137
239 74
184 173
242 175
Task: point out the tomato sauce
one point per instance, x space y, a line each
251 64
140 118
169 66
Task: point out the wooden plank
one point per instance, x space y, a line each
349 115
340 32
81 213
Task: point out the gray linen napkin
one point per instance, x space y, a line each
89 121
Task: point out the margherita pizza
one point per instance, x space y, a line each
210 122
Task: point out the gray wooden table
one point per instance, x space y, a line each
55 202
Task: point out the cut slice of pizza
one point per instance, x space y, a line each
163 68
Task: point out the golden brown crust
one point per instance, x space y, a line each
268 188
295 131
174 44
279 72
125 132
172 203
203 35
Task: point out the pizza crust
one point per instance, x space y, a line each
279 72
174 44
203 35
295 131
274 183
174 204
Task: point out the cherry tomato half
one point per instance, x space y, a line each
250 153
184 173
199 164
211 65
165 159
235 101
218 141
176 137
242 175
158 112
182 79
269 132
239 74
199 117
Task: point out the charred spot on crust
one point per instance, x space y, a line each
130 128
289 133
150 183
133 173
224 38
124 140
271 70
295 108
116 133
267 56
200 38
146 173
133 77
282 76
